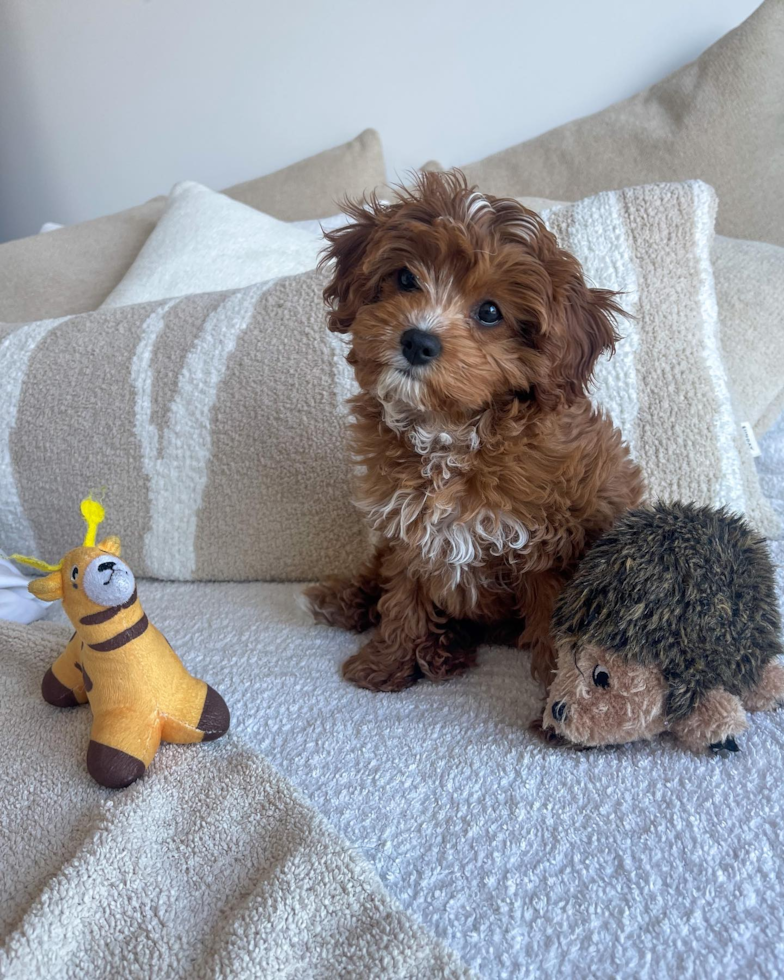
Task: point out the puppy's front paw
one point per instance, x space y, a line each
343 604
378 669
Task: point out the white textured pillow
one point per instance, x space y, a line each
205 242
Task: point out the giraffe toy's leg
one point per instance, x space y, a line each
194 713
123 742
63 685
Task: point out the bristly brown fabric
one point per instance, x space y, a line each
483 500
687 590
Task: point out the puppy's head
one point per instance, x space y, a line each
455 300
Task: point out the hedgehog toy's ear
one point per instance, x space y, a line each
49 588
111 544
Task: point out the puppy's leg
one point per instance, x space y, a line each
414 639
536 601
350 603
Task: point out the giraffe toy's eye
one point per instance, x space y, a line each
74 572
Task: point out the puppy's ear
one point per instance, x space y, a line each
350 286
581 327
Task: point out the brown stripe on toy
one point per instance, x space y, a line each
106 614
122 638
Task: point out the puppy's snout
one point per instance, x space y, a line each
559 710
419 346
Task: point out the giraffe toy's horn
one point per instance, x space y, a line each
93 513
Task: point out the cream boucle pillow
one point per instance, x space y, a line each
222 448
205 241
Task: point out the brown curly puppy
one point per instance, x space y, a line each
487 472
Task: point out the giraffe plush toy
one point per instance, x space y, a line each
138 689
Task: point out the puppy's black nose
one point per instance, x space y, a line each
419 346
559 710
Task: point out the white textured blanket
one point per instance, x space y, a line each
211 867
637 862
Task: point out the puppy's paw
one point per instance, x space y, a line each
376 669
448 654
343 604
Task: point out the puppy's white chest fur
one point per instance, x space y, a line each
431 516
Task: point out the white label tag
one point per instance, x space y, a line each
751 439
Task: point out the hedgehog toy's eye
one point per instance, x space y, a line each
600 676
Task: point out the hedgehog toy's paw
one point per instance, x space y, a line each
714 723
769 692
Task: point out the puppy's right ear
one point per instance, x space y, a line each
350 287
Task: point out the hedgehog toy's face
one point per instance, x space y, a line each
598 698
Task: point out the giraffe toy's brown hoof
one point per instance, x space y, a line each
215 718
112 767
56 693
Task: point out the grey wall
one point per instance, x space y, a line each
104 103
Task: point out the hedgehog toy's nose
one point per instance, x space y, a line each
559 710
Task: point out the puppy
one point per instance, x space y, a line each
486 471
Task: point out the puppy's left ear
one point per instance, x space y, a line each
581 328
350 286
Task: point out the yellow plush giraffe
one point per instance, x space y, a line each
138 689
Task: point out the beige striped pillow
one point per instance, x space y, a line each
216 421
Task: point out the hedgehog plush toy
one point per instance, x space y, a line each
670 624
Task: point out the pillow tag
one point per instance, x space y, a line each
751 439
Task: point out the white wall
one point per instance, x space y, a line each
104 103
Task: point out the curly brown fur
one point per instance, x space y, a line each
687 590
487 473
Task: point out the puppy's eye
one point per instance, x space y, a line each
407 281
488 314
600 676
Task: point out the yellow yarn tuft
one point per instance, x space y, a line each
42 566
93 513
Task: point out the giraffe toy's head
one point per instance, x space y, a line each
90 577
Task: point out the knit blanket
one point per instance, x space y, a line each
213 866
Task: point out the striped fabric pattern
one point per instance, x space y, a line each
217 422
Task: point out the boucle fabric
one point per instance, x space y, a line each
211 866
750 292
718 119
527 861
217 422
202 237
74 269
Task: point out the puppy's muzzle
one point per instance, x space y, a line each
419 347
